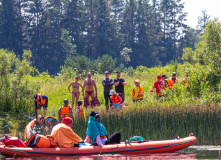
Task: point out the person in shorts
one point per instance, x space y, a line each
40 101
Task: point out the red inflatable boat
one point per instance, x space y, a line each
159 146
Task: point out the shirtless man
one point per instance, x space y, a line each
89 90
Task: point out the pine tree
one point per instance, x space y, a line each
74 22
10 27
202 20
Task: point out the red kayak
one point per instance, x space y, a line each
159 146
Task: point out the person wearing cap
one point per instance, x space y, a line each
79 110
173 78
157 86
34 126
89 87
137 92
119 85
96 132
65 110
75 90
108 85
40 100
116 100
63 135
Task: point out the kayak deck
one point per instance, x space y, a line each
159 146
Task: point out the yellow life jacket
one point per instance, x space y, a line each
140 93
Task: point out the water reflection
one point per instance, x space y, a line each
117 157
193 152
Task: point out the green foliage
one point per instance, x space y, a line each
53 29
67 46
81 65
125 54
16 86
204 62
106 63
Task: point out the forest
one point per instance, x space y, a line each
44 44
130 32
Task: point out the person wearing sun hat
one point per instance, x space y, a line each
116 100
137 92
63 135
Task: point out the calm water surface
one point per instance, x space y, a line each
194 152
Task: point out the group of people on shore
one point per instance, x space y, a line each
61 132
113 98
89 90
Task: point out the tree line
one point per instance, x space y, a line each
133 32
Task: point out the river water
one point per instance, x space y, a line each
193 152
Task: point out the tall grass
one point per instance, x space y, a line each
178 113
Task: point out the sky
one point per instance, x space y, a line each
195 7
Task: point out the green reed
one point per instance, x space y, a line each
152 123
203 121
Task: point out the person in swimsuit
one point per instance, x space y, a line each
75 90
89 86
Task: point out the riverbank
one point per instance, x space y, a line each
153 123
179 113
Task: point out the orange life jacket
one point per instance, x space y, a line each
80 113
140 93
115 99
40 141
169 83
65 112
42 101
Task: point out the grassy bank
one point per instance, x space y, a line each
179 113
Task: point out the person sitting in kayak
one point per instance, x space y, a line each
65 111
34 126
63 135
96 132
116 100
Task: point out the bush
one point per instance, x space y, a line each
16 87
